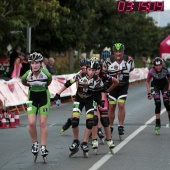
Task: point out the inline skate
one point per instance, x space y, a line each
35 150
101 135
157 129
74 148
66 126
44 153
111 145
95 145
121 132
85 149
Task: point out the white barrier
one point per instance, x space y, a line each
14 93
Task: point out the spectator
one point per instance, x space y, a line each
44 63
12 59
149 62
25 65
50 64
14 55
17 65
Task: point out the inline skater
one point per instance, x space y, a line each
84 98
83 71
160 77
38 80
104 83
120 67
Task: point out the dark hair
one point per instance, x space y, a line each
21 54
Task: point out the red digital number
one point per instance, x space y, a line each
151 6
129 6
121 6
160 6
143 6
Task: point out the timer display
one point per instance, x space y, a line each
142 6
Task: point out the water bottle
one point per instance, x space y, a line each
152 90
58 102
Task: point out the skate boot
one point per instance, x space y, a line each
66 126
85 149
74 148
101 135
95 145
44 153
157 129
121 131
35 150
111 145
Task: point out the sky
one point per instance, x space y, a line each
166 3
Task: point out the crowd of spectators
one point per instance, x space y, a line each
19 65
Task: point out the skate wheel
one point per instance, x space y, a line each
96 151
157 133
103 141
35 157
86 155
45 159
112 151
121 137
70 154
61 131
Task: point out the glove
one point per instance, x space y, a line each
149 96
102 103
168 93
57 96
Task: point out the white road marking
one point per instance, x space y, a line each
105 158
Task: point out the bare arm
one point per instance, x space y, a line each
148 85
115 83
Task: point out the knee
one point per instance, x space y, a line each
89 123
105 121
121 106
43 124
32 124
75 122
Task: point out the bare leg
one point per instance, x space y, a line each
43 129
32 127
121 113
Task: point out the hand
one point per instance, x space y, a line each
57 96
149 96
102 103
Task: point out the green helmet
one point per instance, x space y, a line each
118 47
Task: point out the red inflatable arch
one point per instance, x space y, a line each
165 48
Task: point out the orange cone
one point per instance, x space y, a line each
3 122
17 121
12 122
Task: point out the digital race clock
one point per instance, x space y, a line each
141 6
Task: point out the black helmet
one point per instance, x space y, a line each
157 61
106 54
83 62
35 57
92 64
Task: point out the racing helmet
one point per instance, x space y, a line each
35 57
118 47
92 64
83 62
157 61
106 54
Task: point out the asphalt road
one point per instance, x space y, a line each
141 149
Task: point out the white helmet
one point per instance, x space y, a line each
35 57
